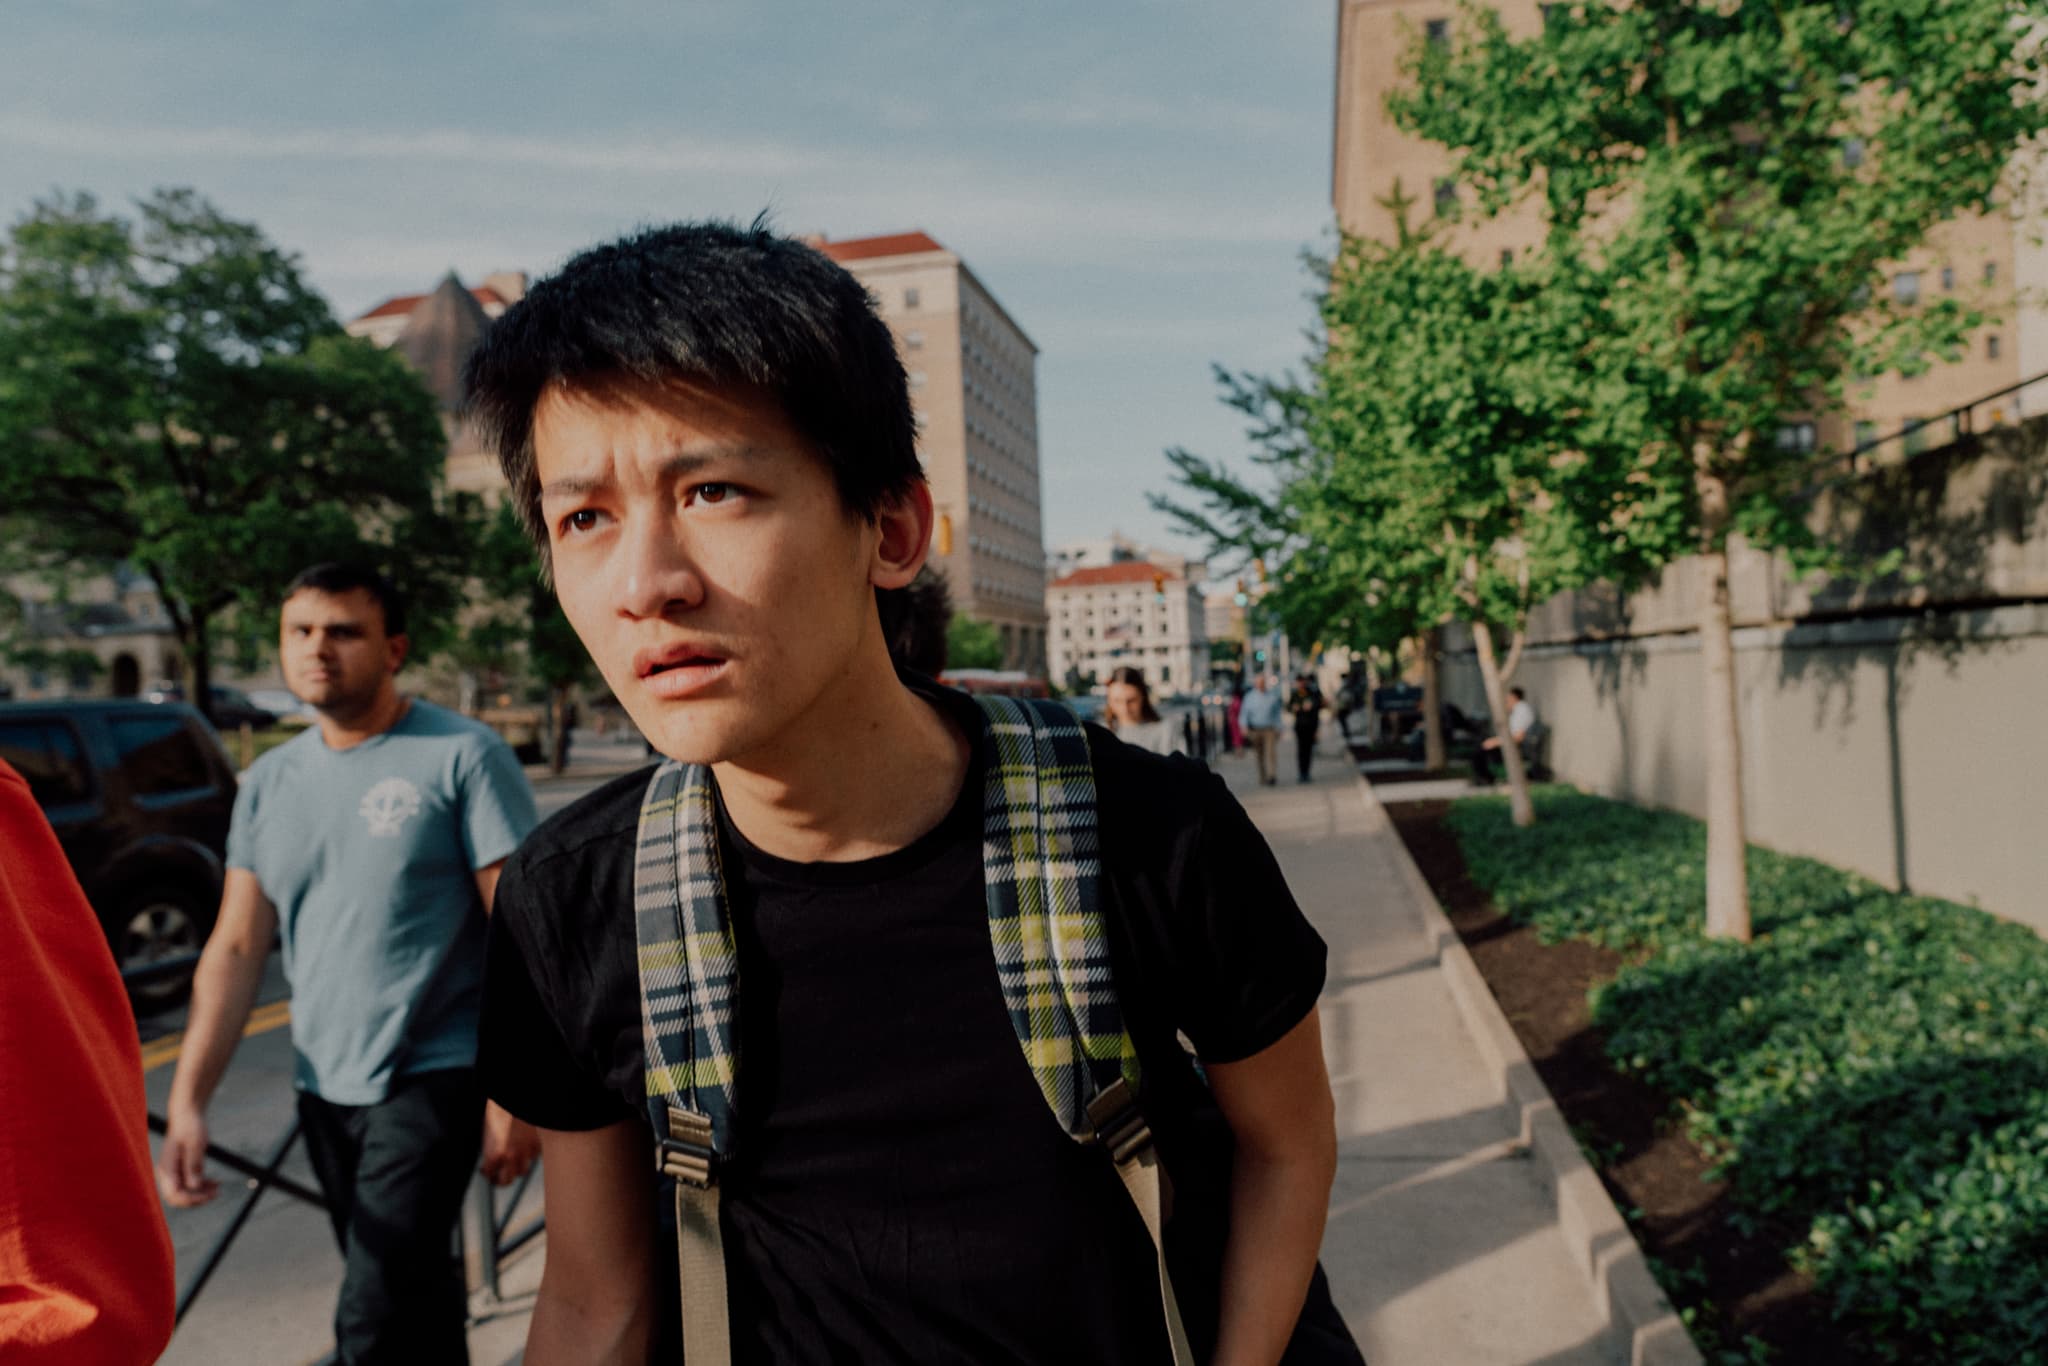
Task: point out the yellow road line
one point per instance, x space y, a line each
262 1020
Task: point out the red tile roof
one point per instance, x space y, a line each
864 248
1123 571
406 303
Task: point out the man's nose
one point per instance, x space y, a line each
656 574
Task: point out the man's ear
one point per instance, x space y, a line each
396 648
905 524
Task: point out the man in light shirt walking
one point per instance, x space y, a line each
1260 718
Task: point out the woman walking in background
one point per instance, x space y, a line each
1132 715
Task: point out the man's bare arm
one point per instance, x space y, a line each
510 1145
223 991
595 1306
1278 1105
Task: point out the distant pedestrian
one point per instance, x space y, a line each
373 841
1305 705
1260 717
85 1259
1132 717
1521 725
1233 727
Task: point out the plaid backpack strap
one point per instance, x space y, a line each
689 1012
1042 867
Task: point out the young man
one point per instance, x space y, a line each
710 436
373 842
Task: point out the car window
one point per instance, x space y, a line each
159 754
46 753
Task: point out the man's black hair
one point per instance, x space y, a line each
1517 692
333 577
710 303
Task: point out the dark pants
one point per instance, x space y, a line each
394 1174
1304 749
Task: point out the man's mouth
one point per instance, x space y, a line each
677 670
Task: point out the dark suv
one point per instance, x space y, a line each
139 794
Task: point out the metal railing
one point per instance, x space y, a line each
483 1225
1961 422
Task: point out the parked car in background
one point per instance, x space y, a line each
232 708
139 794
281 703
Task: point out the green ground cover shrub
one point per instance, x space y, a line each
1873 1069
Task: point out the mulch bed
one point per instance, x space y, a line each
1739 1287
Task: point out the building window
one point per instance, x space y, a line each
1866 432
1991 347
1948 277
1447 198
1507 257
1906 288
1796 437
1852 152
910 298
913 340
917 379
1438 31
1916 439
1991 272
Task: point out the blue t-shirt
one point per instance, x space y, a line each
369 855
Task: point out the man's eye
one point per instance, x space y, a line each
713 493
580 521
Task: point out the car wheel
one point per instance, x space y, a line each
157 926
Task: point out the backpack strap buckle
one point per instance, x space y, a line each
1118 1125
686 1153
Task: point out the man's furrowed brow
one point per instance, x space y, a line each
685 463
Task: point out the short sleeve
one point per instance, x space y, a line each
497 804
241 849
1245 966
526 1065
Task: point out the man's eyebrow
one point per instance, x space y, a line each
678 466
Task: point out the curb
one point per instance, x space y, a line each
1603 1248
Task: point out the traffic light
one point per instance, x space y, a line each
1242 596
1159 587
1258 656
943 537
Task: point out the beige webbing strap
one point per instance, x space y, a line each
1123 1131
700 1248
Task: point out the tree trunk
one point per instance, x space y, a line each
1433 757
558 728
198 648
1519 805
1721 733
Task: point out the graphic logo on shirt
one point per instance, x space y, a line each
389 805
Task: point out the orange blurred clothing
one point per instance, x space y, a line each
86 1276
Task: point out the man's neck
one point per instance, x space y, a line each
346 730
862 774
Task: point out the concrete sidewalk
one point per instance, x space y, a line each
1445 1243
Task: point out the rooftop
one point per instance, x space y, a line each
1123 571
868 248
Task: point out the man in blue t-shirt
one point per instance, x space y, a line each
372 844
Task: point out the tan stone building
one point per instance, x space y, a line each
1148 616
435 332
974 388
1981 259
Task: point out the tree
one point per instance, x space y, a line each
173 395
973 644
1472 476
1733 181
512 615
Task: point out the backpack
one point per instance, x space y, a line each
1043 876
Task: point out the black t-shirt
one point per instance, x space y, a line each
899 1189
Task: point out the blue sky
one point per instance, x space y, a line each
1135 179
